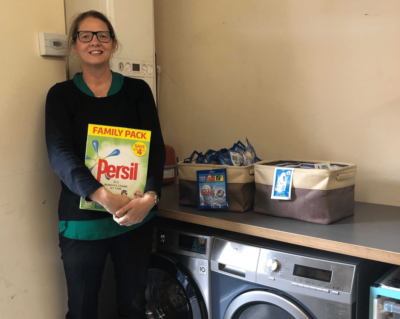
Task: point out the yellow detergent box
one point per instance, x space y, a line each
118 159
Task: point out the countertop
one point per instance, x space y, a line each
372 233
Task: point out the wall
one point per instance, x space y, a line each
301 79
32 283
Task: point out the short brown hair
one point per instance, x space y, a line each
89 14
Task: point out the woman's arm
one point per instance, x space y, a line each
149 120
63 160
138 209
60 146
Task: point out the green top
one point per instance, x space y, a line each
99 228
116 84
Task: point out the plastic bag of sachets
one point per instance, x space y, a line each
238 155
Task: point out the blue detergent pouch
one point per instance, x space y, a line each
307 165
200 159
241 145
212 189
222 161
250 148
257 160
214 159
192 158
249 155
238 148
247 158
224 158
209 157
236 158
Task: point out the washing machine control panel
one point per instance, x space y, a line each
306 272
183 243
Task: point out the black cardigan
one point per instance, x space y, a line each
68 113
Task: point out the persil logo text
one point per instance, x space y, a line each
112 171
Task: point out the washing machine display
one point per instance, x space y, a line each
178 285
312 273
195 244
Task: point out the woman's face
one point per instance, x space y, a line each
94 53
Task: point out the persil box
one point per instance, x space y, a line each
240 185
317 195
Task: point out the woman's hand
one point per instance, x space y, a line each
111 202
134 212
115 202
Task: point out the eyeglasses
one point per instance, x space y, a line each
87 36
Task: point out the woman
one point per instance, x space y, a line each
100 96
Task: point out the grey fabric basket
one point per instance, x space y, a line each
318 196
240 185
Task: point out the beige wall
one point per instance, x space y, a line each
314 79
32 283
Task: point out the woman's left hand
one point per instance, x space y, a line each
134 212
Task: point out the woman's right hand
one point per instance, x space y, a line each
115 202
111 202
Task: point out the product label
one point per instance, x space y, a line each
169 173
282 185
212 189
203 268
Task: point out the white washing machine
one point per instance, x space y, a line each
254 278
179 281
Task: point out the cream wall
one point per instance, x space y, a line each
313 79
32 283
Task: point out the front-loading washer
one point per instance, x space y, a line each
254 278
178 285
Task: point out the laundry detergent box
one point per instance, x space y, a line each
118 159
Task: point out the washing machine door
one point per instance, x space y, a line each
171 293
264 304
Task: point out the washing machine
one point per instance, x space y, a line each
179 279
255 278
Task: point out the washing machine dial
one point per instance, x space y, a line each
161 237
273 264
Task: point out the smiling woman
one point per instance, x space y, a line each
92 37
94 51
99 96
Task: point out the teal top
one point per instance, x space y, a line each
116 84
99 228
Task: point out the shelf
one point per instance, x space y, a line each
372 233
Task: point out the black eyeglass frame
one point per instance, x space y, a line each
94 33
